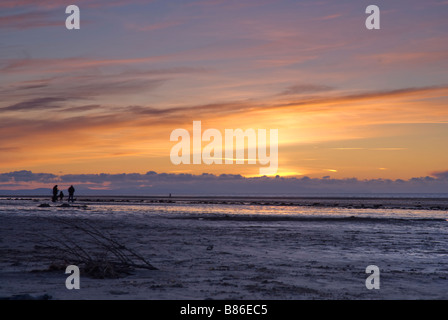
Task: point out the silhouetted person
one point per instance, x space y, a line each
71 192
61 196
55 193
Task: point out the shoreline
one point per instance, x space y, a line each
408 203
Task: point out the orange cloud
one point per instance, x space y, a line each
138 136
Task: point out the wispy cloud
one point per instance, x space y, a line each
154 26
30 20
305 88
51 4
87 85
170 116
65 65
374 149
35 104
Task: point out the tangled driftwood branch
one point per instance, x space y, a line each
98 254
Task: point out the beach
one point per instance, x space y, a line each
231 248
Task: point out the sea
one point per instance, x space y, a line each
311 206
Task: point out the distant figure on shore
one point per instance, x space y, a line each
71 192
55 193
61 196
170 195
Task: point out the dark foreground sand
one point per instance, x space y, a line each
229 258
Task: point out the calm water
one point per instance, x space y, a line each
129 207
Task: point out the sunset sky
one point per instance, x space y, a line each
347 102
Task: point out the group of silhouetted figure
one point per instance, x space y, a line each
59 195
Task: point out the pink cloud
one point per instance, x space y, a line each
67 64
29 20
51 4
153 27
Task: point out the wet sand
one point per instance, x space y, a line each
230 258
410 203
